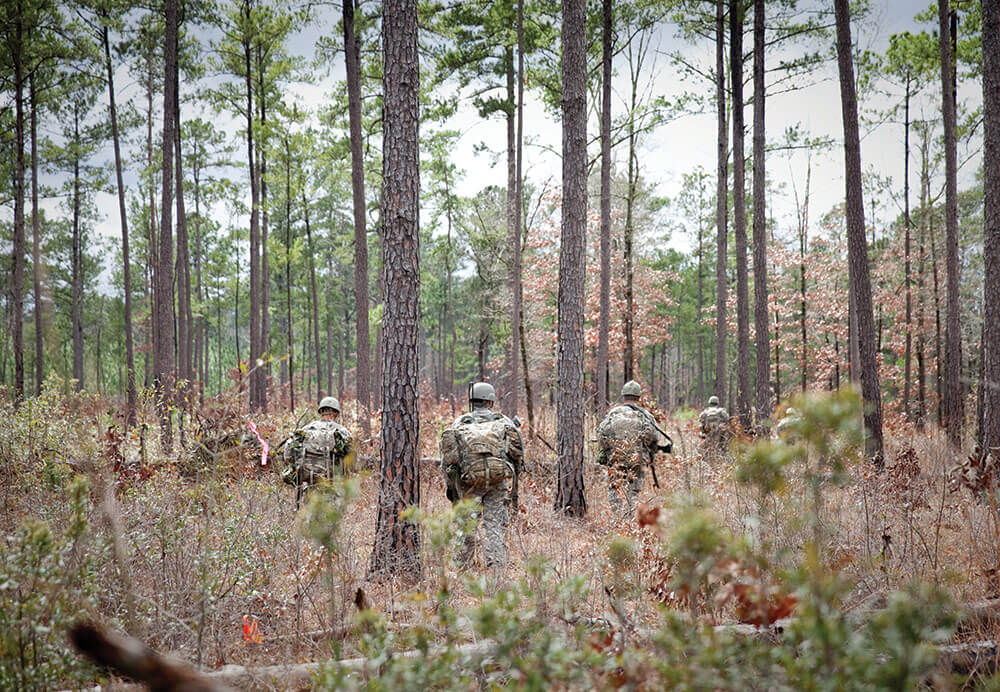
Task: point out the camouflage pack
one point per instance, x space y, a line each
318 450
477 447
713 419
625 437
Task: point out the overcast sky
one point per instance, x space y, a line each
668 153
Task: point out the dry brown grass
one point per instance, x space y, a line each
204 554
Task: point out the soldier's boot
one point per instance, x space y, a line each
494 524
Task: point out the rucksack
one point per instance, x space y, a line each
477 447
624 437
714 419
318 452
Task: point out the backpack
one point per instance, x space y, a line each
714 419
624 437
477 448
319 450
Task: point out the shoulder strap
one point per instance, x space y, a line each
649 416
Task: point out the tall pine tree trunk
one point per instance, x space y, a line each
604 318
76 310
953 399
164 366
857 247
315 296
36 240
721 204
185 320
743 397
397 543
570 498
761 330
288 284
17 250
123 216
510 397
257 383
353 60
990 434
908 357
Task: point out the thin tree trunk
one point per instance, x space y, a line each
953 399
721 204
17 250
36 254
126 266
397 543
803 241
510 397
315 294
257 396
288 281
185 321
76 311
743 396
353 64
570 498
906 251
628 358
520 226
605 309
990 384
761 327
856 243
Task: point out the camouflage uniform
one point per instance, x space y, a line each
714 424
785 426
628 439
308 468
494 499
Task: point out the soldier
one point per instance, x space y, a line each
628 439
321 449
785 426
480 453
715 431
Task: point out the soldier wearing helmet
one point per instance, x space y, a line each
480 453
714 430
320 449
786 426
629 439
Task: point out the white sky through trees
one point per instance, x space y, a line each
665 155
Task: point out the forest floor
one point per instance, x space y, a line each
217 570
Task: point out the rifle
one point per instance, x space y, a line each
517 473
666 448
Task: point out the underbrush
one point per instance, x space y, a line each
842 578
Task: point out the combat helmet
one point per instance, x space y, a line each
328 402
713 401
632 388
482 391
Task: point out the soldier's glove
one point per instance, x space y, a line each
667 448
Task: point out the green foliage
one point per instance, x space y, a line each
46 580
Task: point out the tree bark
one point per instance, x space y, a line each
908 357
315 294
257 400
126 266
857 247
604 317
510 397
185 320
353 60
288 283
990 436
953 399
36 238
570 498
628 358
721 203
263 374
76 310
743 402
397 543
17 250
761 330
